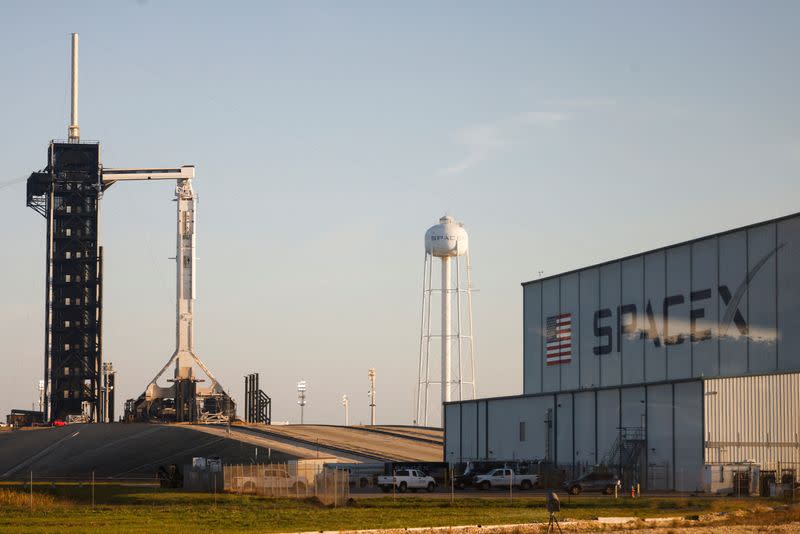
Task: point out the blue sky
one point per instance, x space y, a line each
328 137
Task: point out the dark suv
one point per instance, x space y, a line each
594 481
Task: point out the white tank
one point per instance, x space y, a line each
446 239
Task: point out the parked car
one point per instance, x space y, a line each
465 479
359 475
407 479
270 481
364 475
505 477
594 481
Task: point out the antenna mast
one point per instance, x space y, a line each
74 131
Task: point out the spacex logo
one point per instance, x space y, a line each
627 316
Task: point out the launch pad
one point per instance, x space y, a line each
68 194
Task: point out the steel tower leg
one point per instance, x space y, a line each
446 329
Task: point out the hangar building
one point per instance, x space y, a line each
666 363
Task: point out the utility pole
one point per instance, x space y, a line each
548 428
371 376
301 397
346 404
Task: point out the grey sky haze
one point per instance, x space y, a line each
329 136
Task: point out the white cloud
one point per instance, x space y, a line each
598 103
486 140
539 117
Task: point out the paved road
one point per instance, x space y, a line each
432 435
135 451
270 442
429 432
390 445
117 451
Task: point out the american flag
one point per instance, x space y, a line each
558 339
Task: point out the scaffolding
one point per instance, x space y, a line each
67 194
257 404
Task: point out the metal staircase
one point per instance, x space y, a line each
626 453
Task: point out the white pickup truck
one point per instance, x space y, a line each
269 482
407 479
503 478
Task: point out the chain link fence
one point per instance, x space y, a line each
295 480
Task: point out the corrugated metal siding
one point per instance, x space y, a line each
753 418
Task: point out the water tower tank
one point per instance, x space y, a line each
446 239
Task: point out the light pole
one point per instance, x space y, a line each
41 396
108 370
301 397
371 375
346 404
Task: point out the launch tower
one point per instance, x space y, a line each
67 192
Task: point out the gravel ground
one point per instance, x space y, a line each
708 524
593 526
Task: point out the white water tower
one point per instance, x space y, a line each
449 242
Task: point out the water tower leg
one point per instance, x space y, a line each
446 329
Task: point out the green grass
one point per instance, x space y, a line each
120 509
